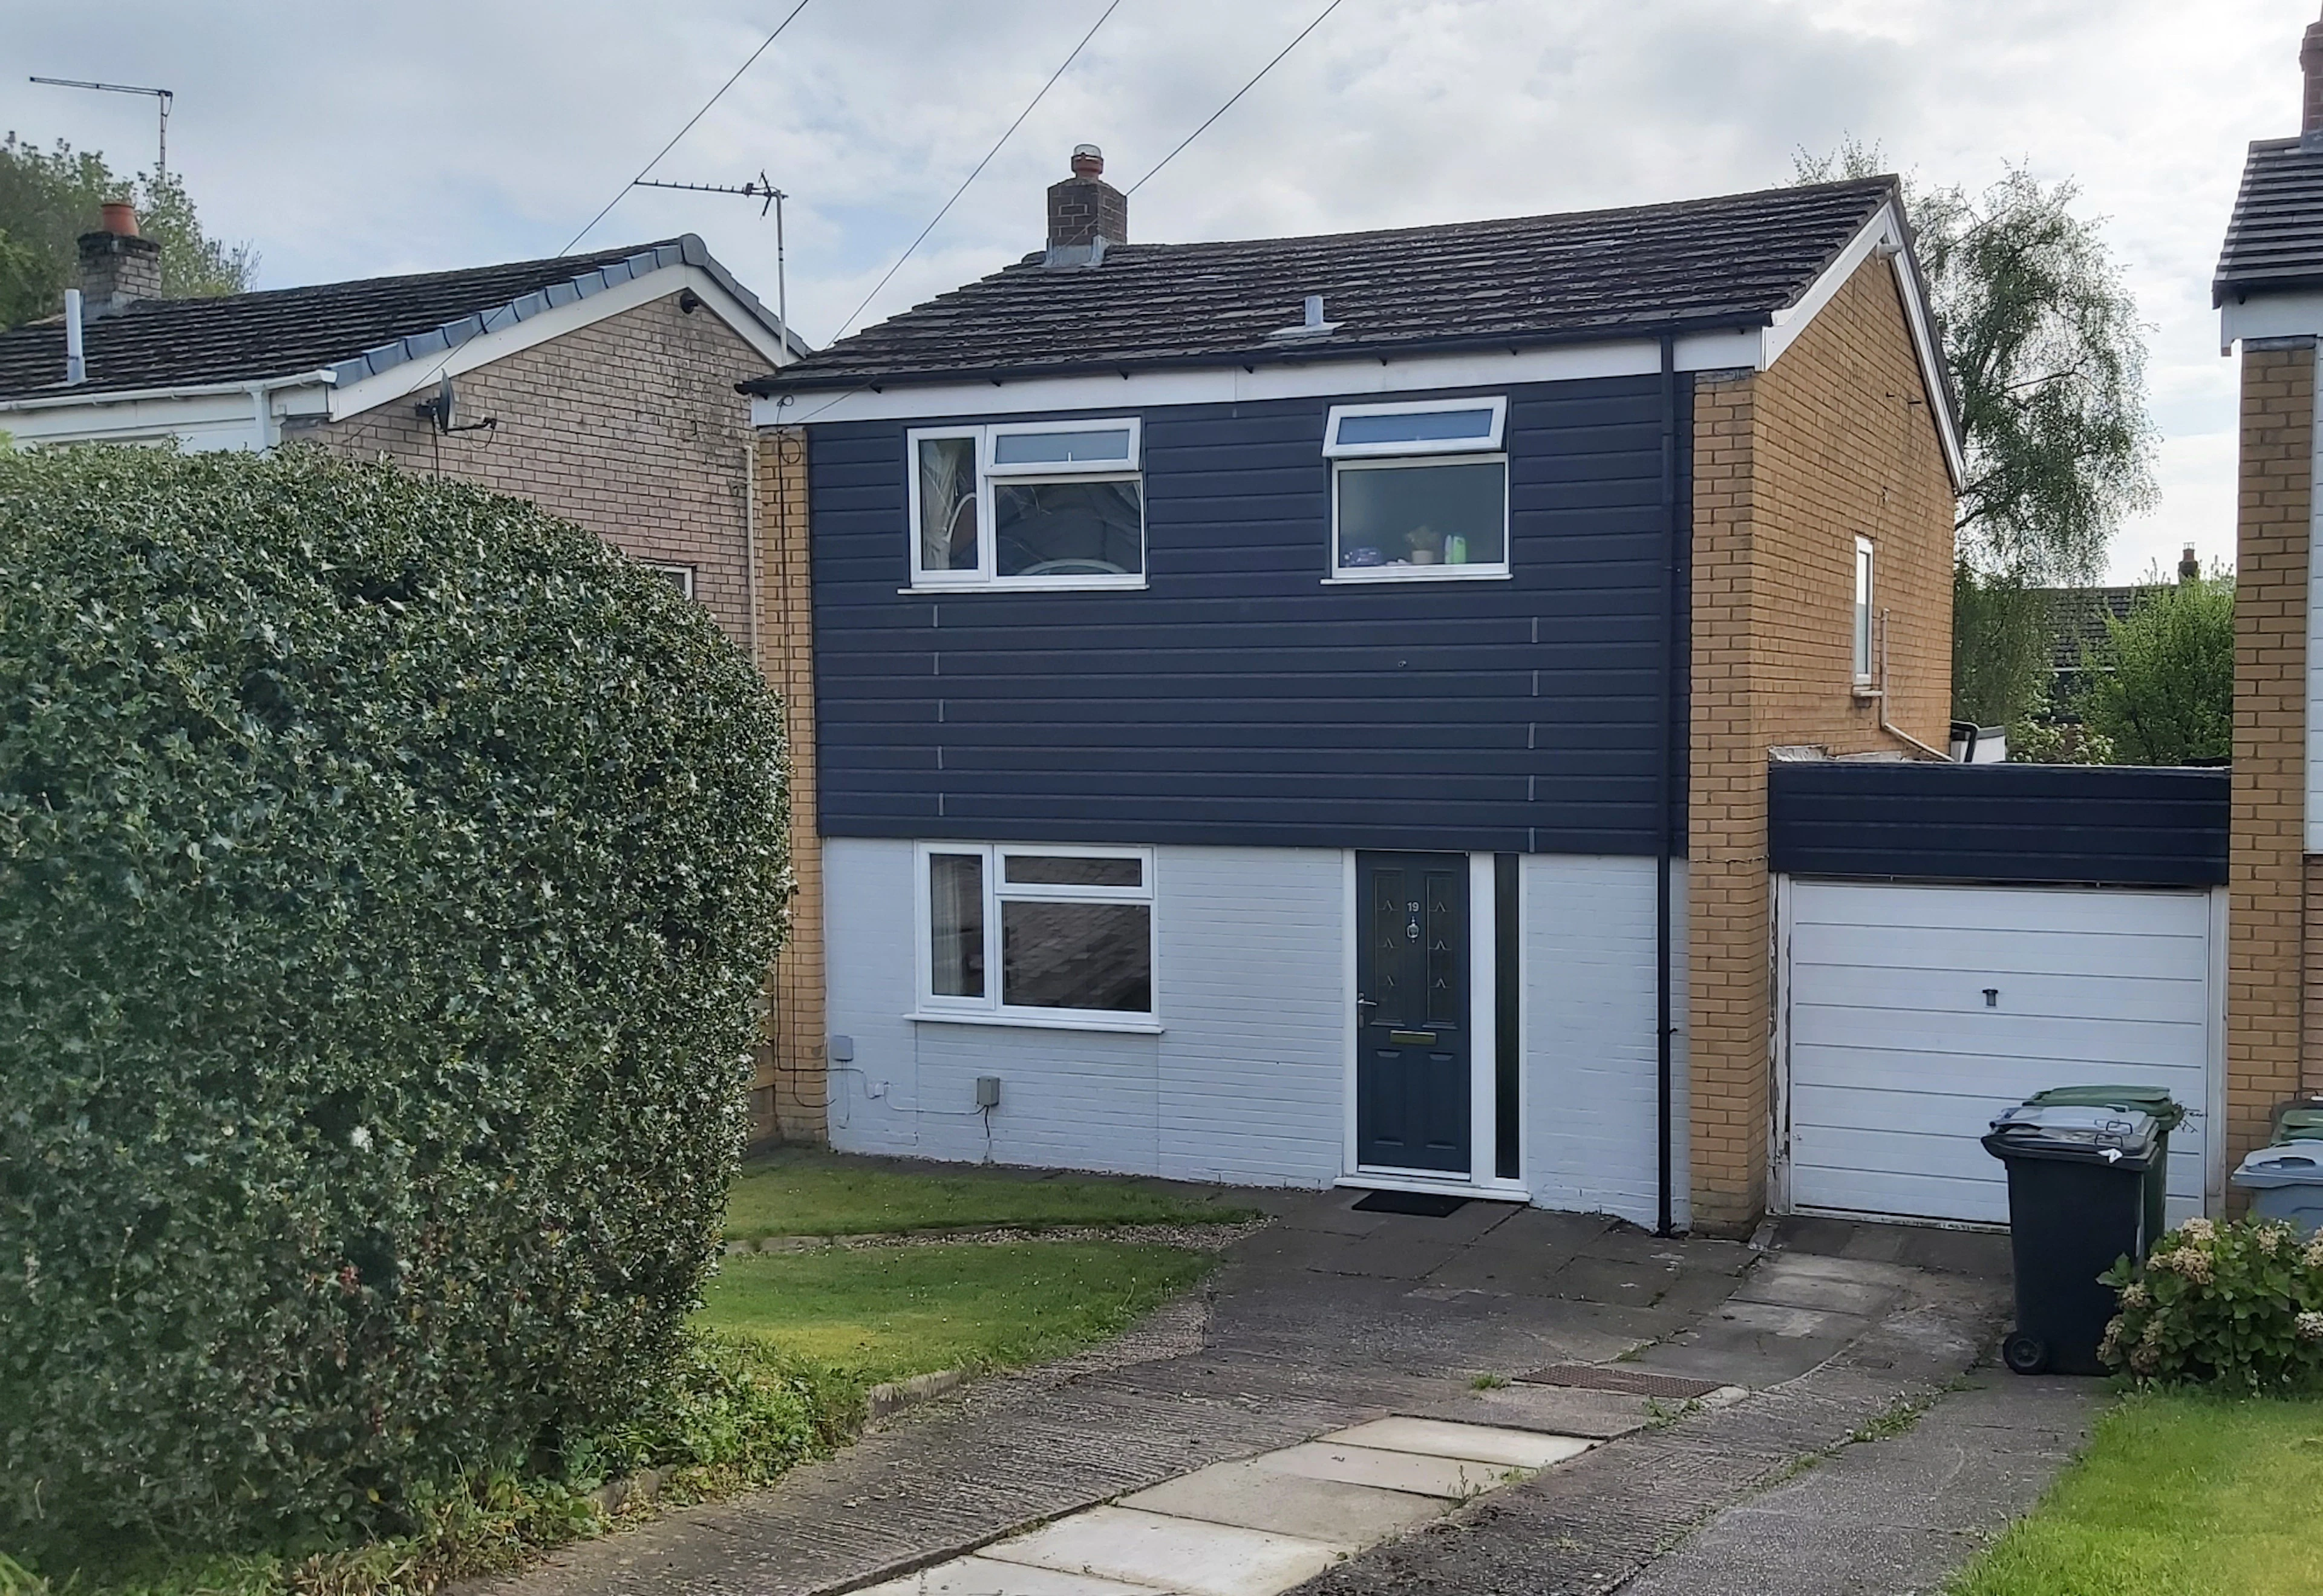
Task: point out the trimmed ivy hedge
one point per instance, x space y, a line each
388 875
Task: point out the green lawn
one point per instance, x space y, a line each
2178 1495
806 1192
886 1312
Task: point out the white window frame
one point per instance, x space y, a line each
678 576
1473 571
988 1009
1864 578
984 576
1488 445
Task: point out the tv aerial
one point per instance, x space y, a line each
770 199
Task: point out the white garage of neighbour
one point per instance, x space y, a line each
1909 1012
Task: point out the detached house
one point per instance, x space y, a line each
601 386
1299 710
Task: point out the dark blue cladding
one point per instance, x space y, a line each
2115 825
1240 699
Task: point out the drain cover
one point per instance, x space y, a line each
1606 1377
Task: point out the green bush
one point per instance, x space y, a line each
388 875
2238 1305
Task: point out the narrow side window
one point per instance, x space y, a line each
1863 603
948 542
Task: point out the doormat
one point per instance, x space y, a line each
1428 1204
1635 1382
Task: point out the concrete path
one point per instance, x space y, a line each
1242 1418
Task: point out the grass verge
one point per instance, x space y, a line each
2178 1495
888 1312
808 1192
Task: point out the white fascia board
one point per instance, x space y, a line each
1733 349
2270 315
140 395
409 376
221 416
1883 232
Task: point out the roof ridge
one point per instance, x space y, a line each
596 259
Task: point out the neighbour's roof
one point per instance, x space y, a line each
1733 261
2275 239
356 328
2078 617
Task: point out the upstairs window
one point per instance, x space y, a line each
1418 491
1028 504
1863 601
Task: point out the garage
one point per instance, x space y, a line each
1964 936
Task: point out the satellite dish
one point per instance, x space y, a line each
444 418
442 412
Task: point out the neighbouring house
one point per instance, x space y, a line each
601 386
2269 293
1299 710
2078 627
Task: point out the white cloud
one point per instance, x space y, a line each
345 142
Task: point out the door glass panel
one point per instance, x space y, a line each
1069 528
1444 933
947 504
1077 955
1423 515
956 925
1387 948
1029 869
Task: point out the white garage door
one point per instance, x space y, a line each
1914 1013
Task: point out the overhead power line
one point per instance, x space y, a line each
980 165
688 128
1244 89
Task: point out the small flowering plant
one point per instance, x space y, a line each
2240 1306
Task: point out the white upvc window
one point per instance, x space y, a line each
1420 491
1864 598
1044 934
1053 504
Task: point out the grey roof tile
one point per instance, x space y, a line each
1731 261
2274 239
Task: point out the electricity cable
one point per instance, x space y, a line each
1244 89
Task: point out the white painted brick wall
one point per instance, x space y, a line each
1588 956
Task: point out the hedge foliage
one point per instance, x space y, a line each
2236 1306
388 875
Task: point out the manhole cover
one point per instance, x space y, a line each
1605 1377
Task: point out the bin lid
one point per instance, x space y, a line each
2156 1101
2123 1138
2295 1163
2299 1123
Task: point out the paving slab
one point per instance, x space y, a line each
1781 1282
986 1576
1256 1497
1172 1554
1454 1479
1483 1444
1556 1411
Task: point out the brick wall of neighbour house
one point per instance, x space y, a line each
631 427
793 1081
2268 879
1791 466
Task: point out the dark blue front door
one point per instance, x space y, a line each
1412 1011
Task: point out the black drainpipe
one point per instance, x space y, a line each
1665 806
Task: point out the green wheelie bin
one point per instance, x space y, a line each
2167 1114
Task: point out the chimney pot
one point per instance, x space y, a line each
120 218
1086 213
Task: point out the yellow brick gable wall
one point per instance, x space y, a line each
1791 466
630 426
2269 901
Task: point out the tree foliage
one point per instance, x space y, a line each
2000 645
50 197
2047 360
388 875
2161 688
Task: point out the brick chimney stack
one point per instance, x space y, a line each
117 267
1085 211
2189 569
2310 62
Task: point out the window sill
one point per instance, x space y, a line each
1096 585
1359 576
1130 1024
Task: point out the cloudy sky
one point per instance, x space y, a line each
345 142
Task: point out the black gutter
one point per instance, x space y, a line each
1666 805
815 382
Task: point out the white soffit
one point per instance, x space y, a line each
2270 315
